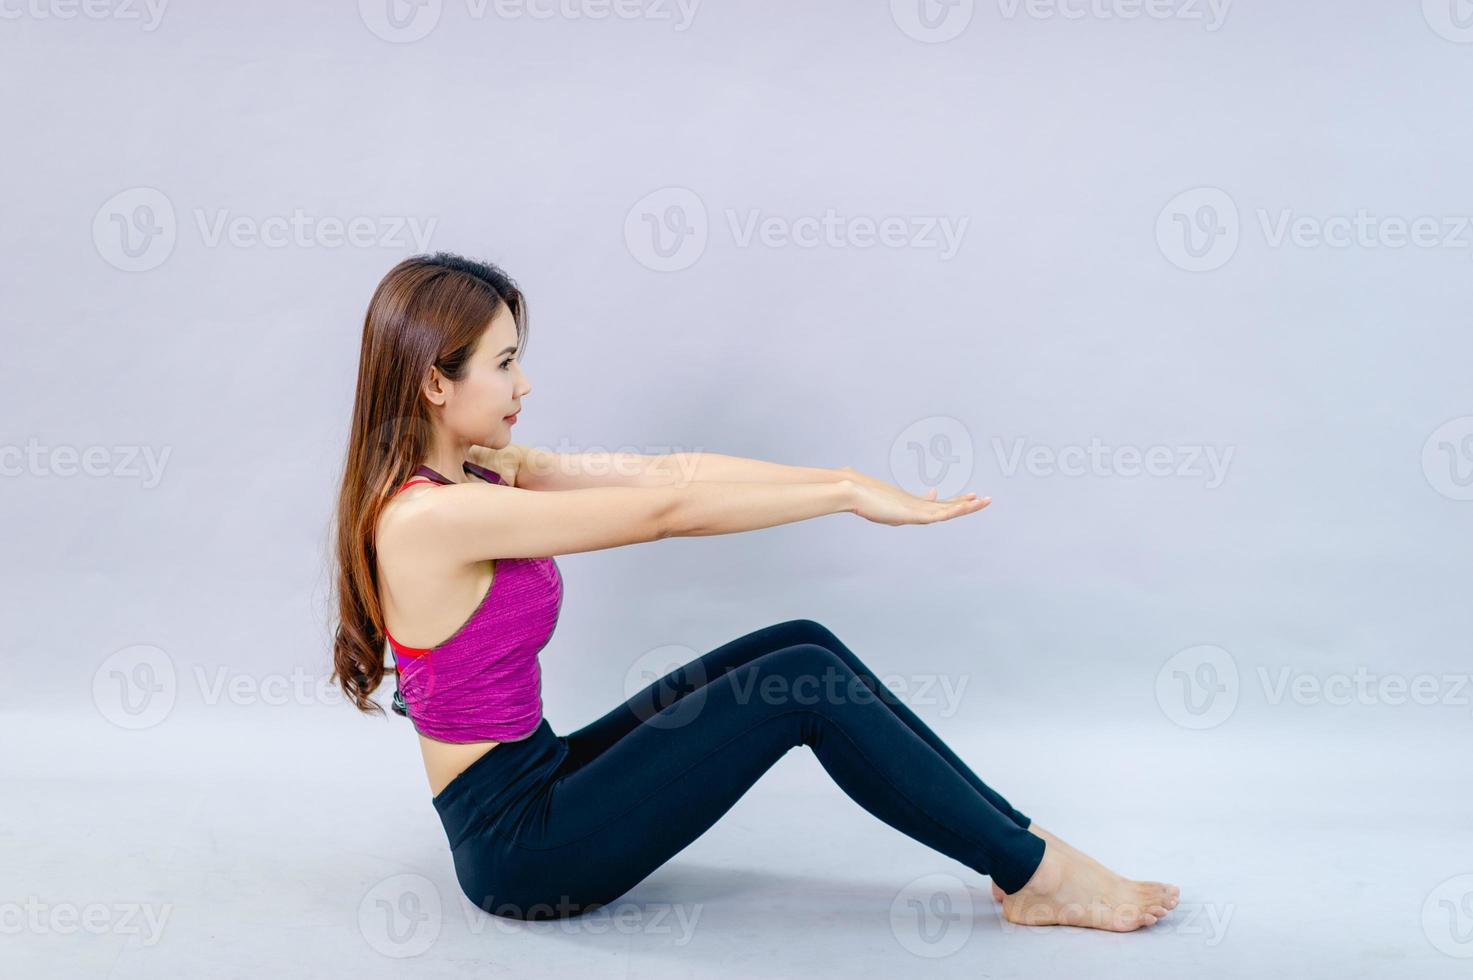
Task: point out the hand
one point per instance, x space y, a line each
885 504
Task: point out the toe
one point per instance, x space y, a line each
1128 920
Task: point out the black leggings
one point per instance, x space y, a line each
551 826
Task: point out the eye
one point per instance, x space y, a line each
507 361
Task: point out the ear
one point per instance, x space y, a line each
435 386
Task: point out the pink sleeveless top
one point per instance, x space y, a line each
485 682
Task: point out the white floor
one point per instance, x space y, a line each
286 846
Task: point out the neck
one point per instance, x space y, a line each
448 459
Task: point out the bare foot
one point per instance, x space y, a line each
1072 888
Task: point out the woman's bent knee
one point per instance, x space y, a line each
810 631
803 676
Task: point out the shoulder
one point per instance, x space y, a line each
504 462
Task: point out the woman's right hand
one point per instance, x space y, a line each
885 504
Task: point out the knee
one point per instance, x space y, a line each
811 631
809 659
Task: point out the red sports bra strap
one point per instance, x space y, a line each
413 482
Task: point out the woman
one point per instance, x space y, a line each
447 533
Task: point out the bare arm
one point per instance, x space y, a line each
712 507
736 469
471 522
540 469
701 467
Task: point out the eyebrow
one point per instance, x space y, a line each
507 350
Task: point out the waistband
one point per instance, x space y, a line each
497 787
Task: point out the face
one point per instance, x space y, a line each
475 408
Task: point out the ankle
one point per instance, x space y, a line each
1049 874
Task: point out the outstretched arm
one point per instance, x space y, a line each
701 467
539 469
735 469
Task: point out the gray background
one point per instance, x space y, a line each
1069 614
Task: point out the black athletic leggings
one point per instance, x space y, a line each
552 826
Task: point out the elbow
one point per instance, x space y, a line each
670 517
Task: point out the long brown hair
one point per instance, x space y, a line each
430 310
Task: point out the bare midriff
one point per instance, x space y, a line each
446 760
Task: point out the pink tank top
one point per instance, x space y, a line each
485 682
